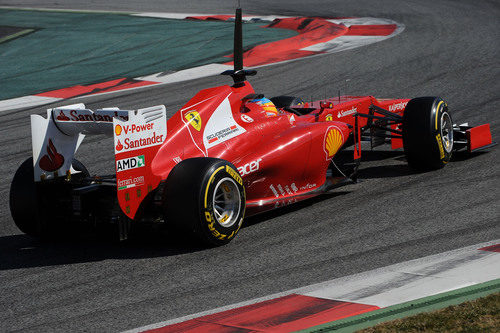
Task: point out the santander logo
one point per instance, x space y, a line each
119 146
347 112
62 117
53 160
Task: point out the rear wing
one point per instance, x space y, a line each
137 137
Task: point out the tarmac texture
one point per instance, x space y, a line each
448 48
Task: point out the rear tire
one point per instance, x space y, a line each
427 133
30 205
205 198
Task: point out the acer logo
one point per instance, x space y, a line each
250 167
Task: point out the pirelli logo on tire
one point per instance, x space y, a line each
440 145
233 173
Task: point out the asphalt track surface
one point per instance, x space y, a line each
449 48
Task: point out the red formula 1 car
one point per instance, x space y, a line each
229 152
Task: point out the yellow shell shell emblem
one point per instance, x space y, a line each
118 130
333 142
194 119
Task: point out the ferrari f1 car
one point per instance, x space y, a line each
227 153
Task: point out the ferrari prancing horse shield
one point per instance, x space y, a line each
194 119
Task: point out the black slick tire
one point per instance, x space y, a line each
427 133
30 205
191 200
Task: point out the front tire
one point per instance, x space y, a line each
205 198
427 133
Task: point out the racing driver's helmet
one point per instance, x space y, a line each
262 105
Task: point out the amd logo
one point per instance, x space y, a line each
130 163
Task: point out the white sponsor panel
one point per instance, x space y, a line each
74 119
55 139
221 126
130 163
145 128
53 150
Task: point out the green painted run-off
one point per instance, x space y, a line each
68 49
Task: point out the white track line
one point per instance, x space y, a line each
25 102
392 284
186 74
415 279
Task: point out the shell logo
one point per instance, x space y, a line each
118 130
333 141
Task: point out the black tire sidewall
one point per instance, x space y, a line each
422 140
32 204
23 200
219 234
184 199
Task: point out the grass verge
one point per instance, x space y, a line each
480 315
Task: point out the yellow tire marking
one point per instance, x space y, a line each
234 174
440 146
437 112
209 182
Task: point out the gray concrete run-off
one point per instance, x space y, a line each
449 48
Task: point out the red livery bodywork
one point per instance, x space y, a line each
282 158
227 153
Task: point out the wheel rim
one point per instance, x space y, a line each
447 132
226 202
